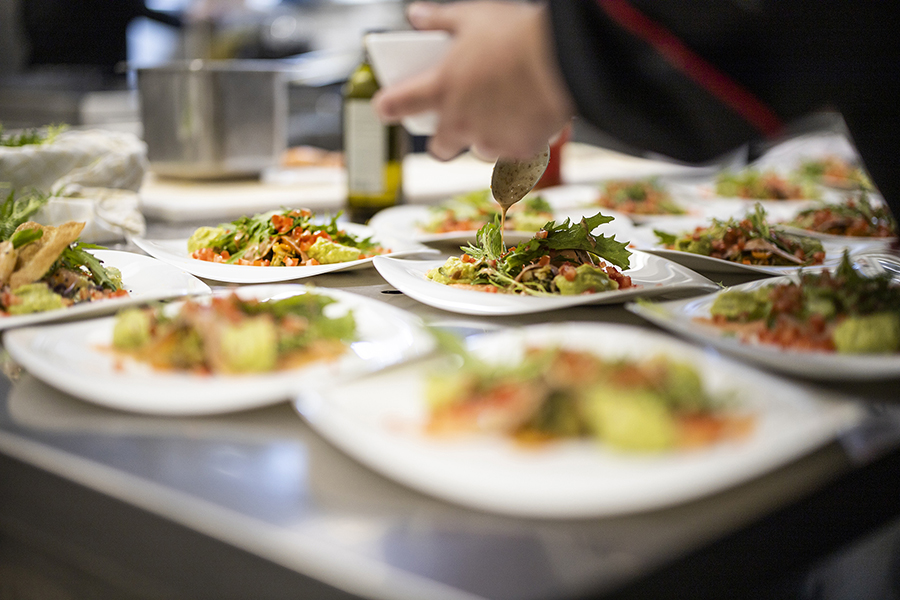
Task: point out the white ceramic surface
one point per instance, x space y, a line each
644 239
145 278
378 420
680 316
847 240
653 275
174 251
399 55
75 358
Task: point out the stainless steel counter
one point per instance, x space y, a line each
256 504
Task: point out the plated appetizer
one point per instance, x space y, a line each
230 335
289 238
44 268
834 171
842 312
469 212
564 259
755 184
639 197
748 241
651 404
557 439
854 218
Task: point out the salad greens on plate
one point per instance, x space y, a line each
565 258
653 404
845 312
469 212
45 268
750 241
290 238
233 335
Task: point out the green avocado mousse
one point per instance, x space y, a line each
650 404
35 297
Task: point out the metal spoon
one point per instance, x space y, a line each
512 179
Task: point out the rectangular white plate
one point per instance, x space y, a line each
679 316
379 421
644 239
145 278
174 252
76 358
654 276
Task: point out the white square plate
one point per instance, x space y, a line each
653 275
379 420
77 358
145 278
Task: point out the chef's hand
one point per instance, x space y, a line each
498 89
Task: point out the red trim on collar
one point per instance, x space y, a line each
676 53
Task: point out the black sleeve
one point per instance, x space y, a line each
695 79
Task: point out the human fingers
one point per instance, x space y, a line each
448 141
484 154
409 97
431 15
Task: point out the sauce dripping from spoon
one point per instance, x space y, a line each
511 180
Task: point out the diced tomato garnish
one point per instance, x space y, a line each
282 224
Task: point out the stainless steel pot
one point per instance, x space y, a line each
213 119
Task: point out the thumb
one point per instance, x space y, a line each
431 15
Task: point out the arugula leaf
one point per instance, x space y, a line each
758 220
26 236
668 239
488 243
76 256
578 236
500 267
15 211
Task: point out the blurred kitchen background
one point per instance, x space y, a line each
74 62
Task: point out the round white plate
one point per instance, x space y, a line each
379 421
145 278
679 316
75 358
653 275
174 252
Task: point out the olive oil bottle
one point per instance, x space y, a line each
373 151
